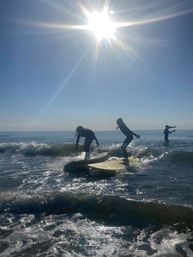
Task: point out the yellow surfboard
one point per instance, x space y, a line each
115 164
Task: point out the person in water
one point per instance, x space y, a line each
129 137
89 136
167 132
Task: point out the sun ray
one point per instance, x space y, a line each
61 87
153 19
57 26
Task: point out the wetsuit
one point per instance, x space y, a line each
129 137
89 136
166 134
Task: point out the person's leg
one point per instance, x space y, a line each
87 156
87 144
126 142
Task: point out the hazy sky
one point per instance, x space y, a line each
55 77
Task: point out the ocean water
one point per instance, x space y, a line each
143 211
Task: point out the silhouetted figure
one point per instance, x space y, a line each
167 132
89 136
129 137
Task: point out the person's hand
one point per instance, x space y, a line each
138 136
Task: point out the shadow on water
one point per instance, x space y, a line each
90 175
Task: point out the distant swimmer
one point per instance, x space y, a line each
167 132
129 137
89 136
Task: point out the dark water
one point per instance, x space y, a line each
145 211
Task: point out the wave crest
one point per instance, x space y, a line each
33 149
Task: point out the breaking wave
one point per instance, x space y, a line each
112 210
146 154
33 149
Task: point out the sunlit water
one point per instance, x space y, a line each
144 211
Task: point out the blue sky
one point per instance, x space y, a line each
56 79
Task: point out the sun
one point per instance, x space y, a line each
101 25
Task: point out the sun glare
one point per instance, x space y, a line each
100 25
103 28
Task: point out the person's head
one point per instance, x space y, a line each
79 129
119 122
166 126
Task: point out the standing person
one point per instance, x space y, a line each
167 132
89 136
129 137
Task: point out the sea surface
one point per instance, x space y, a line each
142 211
